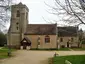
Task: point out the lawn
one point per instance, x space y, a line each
74 59
52 49
4 52
78 49
64 49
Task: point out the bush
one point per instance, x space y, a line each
3 39
83 42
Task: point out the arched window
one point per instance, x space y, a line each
18 13
17 28
39 40
47 39
61 39
72 39
17 25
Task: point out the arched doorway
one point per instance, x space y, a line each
25 42
68 44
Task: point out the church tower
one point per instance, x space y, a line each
18 24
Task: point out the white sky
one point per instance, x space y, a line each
38 10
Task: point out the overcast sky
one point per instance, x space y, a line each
38 10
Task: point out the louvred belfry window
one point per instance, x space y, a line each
18 13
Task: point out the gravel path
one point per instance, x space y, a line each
29 57
36 57
65 53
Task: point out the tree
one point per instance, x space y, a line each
5 8
3 39
70 11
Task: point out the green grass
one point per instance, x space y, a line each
4 52
78 49
44 49
64 49
51 49
74 59
61 49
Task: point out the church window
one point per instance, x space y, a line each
38 43
18 13
61 39
72 39
47 39
17 28
39 40
17 23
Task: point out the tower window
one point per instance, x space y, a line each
17 23
47 39
61 39
18 13
17 28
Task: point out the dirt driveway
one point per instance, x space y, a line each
36 57
29 57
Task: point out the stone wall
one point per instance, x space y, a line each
14 40
65 40
34 41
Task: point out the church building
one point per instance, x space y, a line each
21 33
38 36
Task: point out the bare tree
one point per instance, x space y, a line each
70 11
5 8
